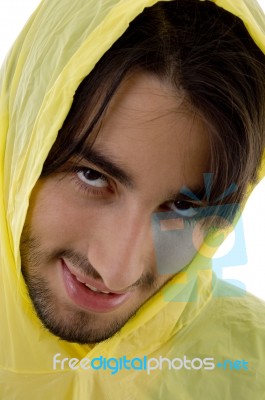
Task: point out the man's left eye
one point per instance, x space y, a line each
183 208
92 178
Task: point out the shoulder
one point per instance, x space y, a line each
236 321
237 304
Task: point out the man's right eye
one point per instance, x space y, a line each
92 177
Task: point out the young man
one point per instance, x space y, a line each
123 150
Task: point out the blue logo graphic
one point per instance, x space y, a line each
175 235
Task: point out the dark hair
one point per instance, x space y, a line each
207 52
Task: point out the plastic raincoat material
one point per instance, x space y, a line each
193 317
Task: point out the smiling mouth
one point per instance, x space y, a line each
89 297
91 287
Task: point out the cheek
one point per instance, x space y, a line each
56 216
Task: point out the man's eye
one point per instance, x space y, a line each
183 208
92 178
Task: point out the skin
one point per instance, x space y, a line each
101 227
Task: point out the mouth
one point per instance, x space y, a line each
94 299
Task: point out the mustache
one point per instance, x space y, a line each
83 265
30 244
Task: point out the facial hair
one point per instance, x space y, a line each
59 317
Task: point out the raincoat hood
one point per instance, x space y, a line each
58 47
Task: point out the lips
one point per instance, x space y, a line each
92 287
94 298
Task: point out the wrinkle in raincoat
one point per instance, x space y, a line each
59 46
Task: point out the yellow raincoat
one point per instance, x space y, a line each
212 335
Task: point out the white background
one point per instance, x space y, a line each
14 14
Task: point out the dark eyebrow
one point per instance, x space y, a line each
116 171
197 194
181 195
108 166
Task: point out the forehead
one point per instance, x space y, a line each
153 134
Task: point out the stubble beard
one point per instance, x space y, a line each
62 319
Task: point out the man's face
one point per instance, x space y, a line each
88 228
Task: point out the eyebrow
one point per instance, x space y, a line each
116 171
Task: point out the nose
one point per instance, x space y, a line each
121 247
